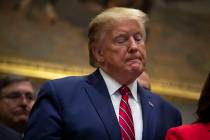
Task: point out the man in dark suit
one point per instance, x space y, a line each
108 104
16 100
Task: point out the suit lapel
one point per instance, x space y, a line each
148 115
100 98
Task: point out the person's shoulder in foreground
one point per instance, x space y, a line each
195 131
200 129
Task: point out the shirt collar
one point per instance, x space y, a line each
113 85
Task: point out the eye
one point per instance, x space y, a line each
138 37
121 39
13 95
30 96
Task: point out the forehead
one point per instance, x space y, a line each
24 86
125 26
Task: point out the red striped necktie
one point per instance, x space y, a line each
125 116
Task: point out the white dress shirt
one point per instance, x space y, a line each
134 102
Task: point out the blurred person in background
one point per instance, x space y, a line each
17 97
144 80
200 129
107 104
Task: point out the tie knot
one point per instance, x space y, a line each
124 90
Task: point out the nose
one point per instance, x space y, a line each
133 44
23 100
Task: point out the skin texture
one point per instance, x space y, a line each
15 111
122 52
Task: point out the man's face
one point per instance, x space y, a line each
16 101
123 51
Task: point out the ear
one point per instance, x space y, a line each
98 54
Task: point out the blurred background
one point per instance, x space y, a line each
47 39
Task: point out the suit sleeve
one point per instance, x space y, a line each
45 121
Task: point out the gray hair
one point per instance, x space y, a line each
97 28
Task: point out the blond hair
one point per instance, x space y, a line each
97 27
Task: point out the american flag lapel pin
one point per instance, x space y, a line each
151 104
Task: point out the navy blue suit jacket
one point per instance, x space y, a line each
80 108
7 133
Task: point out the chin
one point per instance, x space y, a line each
136 65
135 72
136 68
22 118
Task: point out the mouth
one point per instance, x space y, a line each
134 59
22 112
134 63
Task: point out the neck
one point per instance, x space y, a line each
125 79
